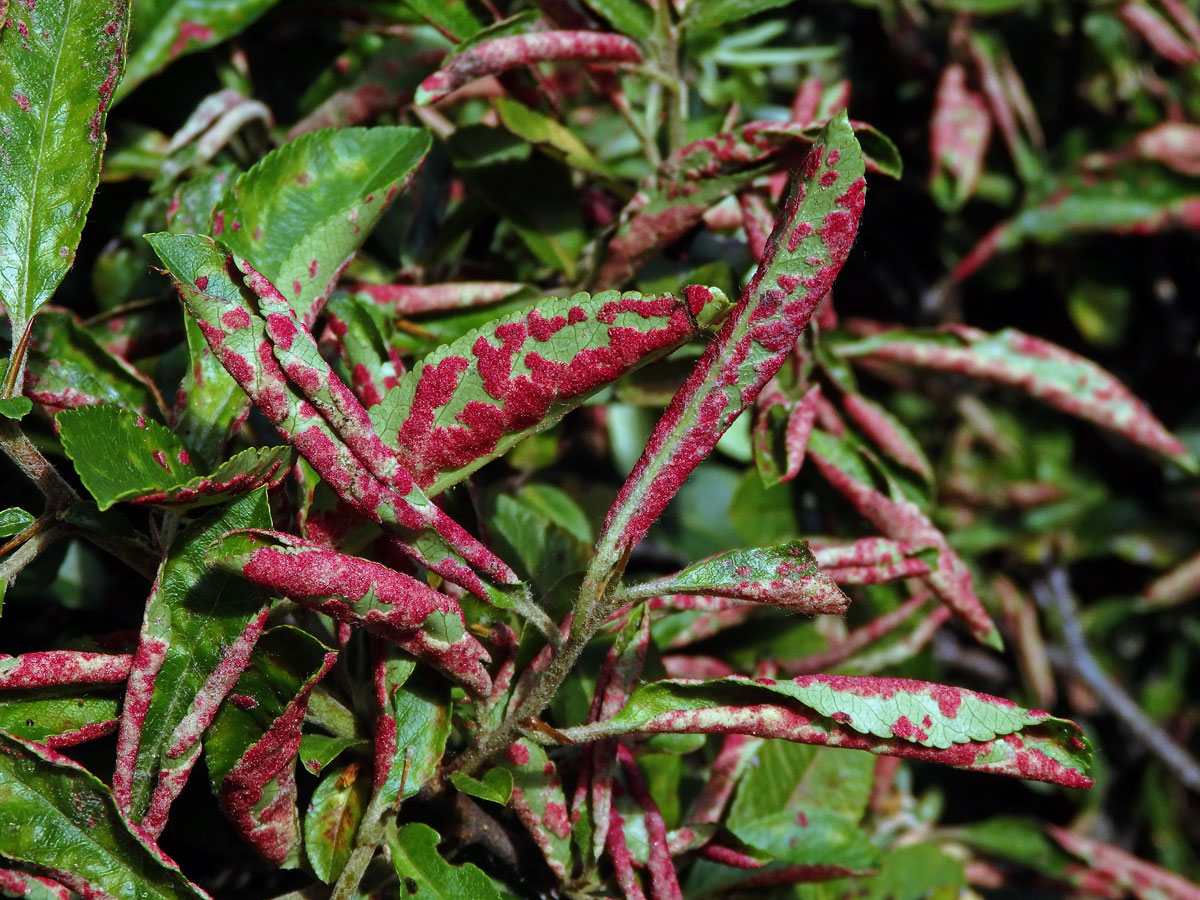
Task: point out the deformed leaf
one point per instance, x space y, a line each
60 61
785 575
155 466
93 850
253 743
496 786
420 867
332 820
412 726
164 30
317 751
470 401
538 799
1044 370
888 716
304 209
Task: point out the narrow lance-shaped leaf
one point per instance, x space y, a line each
411 727
786 575
332 820
811 240
156 468
1043 370
164 30
874 560
253 743
304 209
538 799
398 607
196 638
358 328
885 716
93 850
470 401
51 668
1114 867
703 173
902 520
958 138
367 475
416 299
60 61
21 884
504 53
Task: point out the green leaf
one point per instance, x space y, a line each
537 797
216 406
317 751
333 818
80 838
424 873
544 131
914 872
15 407
817 837
164 30
47 714
155 467
799 777
414 724
252 744
470 401
715 13
496 786
889 716
632 17
14 520
546 553
785 575
453 17
195 618
304 209
59 63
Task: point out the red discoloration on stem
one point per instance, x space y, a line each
501 54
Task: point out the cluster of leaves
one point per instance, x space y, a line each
473 476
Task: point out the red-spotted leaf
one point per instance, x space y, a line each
332 820
359 328
37 702
395 606
503 53
155 467
1111 867
15 883
873 560
60 61
1043 370
411 727
901 519
348 455
958 138
539 802
304 209
887 433
405 300
164 30
700 175
886 716
786 575
252 745
812 237
471 401
199 629
61 821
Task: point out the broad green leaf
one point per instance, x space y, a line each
317 751
1041 369
54 716
799 777
333 817
1022 840
470 401
545 552
810 241
197 622
633 17
155 467
164 30
252 744
889 716
80 838
496 786
785 575
413 725
301 213
66 367
15 407
60 61
812 837
715 13
14 520
424 873
452 17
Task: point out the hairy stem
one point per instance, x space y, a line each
11 566
58 493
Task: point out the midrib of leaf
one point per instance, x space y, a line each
37 169
48 799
